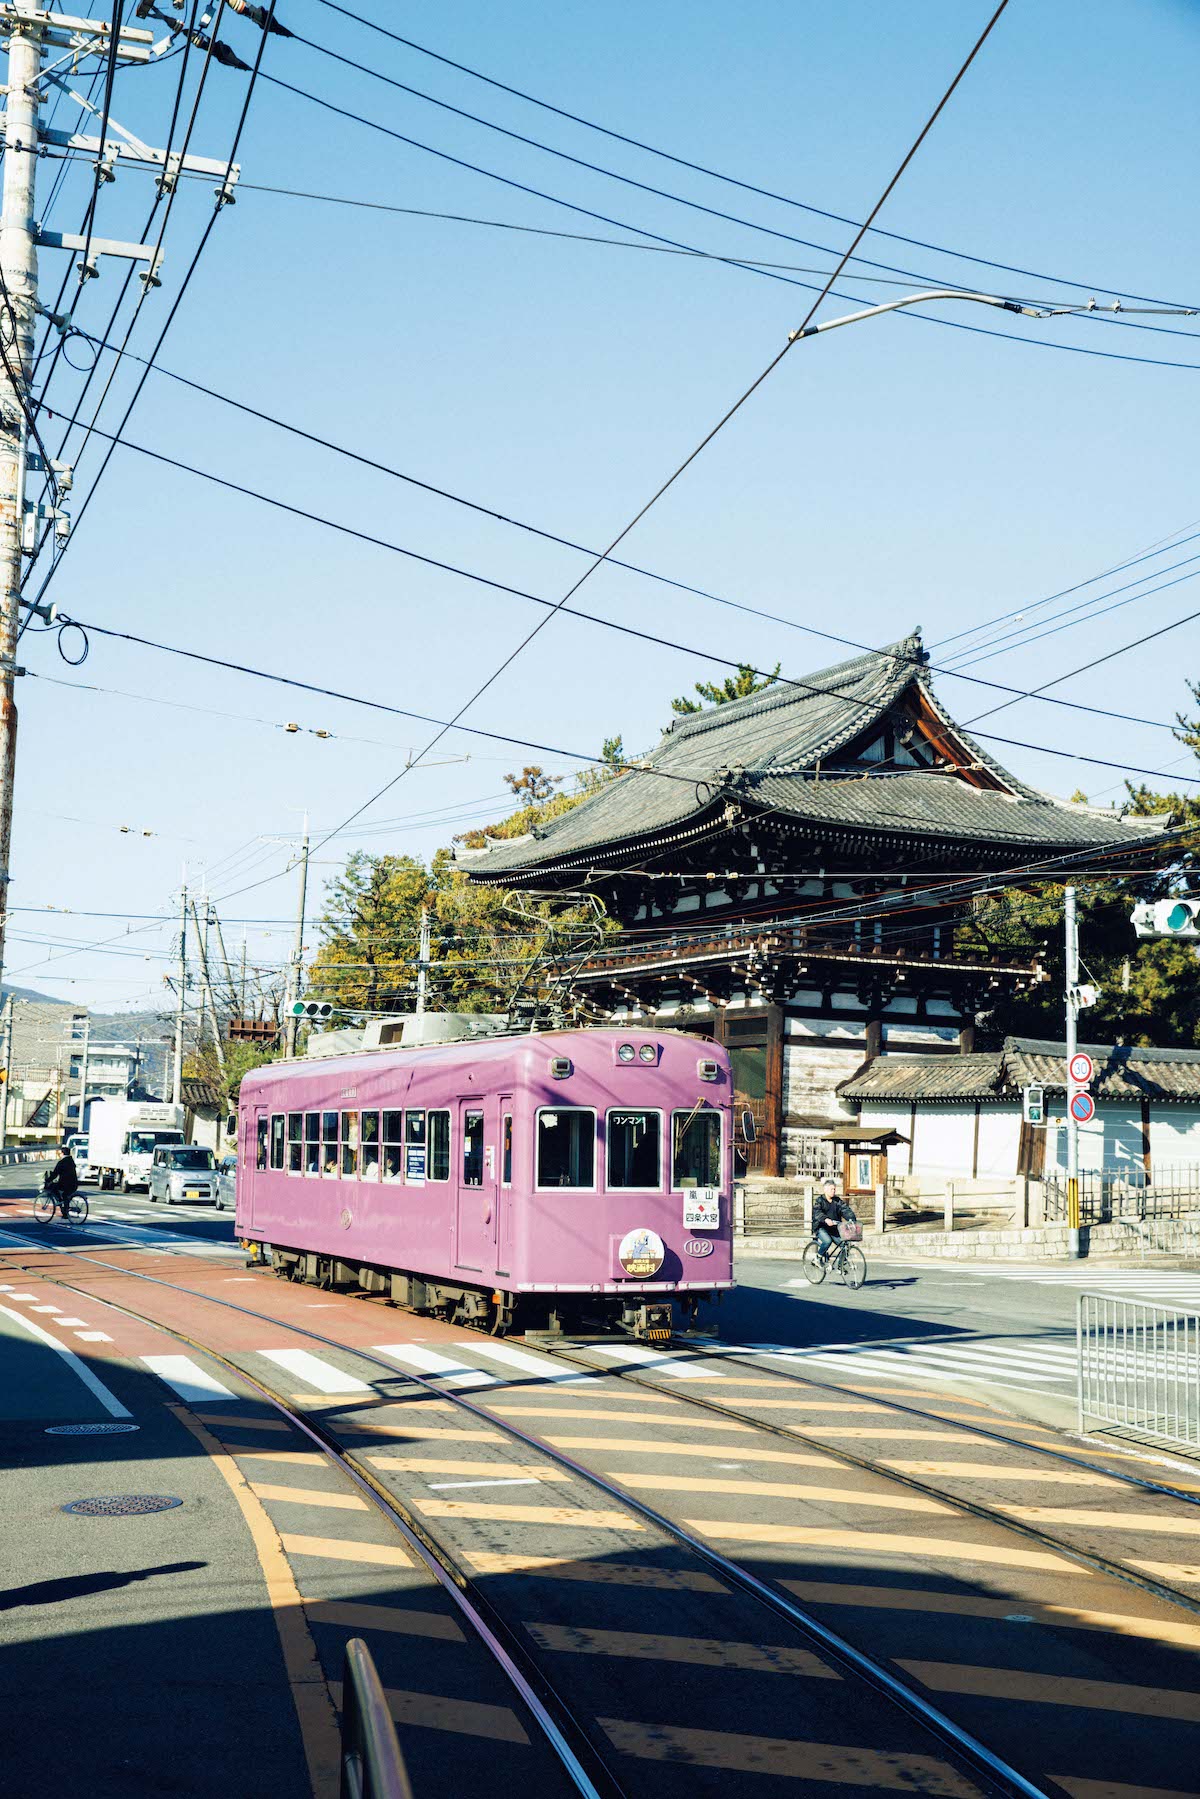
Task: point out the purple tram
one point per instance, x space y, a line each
557 1180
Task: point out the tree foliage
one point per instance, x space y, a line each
734 687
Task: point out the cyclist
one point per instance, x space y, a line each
828 1212
62 1181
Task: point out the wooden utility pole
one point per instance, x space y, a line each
298 951
180 998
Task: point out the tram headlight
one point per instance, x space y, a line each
648 1053
625 1052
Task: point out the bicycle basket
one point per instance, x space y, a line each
850 1233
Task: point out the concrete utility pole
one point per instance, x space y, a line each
180 998
83 1071
30 32
423 963
206 988
8 1048
298 951
1071 926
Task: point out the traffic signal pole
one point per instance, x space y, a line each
1071 926
298 950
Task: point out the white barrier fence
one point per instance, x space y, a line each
1139 1368
8 1156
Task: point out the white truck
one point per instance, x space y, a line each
123 1135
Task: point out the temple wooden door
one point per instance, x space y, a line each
754 1040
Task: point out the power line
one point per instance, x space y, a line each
699 168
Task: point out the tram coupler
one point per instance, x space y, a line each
654 1323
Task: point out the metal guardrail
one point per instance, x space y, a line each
27 1155
372 1761
1139 1368
1107 1195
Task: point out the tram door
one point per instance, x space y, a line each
475 1235
504 1172
253 1157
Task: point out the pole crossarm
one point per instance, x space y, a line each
92 35
1022 307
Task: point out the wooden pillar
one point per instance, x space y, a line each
966 1039
774 1093
1146 1139
874 1038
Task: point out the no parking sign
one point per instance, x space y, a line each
1083 1108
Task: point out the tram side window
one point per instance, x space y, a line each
566 1147
439 1146
349 1143
696 1157
295 1144
393 1146
277 1140
260 1160
329 1142
635 1150
369 1130
506 1150
312 1143
416 1152
472 1173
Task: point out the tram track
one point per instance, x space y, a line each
872 1465
571 1739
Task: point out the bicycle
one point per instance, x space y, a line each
73 1210
846 1259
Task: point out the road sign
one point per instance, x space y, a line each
1034 1104
311 1008
1081 1068
1083 1108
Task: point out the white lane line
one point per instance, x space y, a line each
188 1378
111 1404
321 1376
70 1321
24 1296
445 1486
93 1337
527 1364
45 1308
428 1361
649 1358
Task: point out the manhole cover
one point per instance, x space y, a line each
122 1505
89 1430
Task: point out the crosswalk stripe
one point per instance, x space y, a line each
188 1378
429 1362
608 1573
497 1511
424 1464
1067 1477
964 1605
548 1413
526 1364
433 1711
778 1489
1035 1689
650 1446
337 1549
700 1652
368 1616
318 1496
1057 1514
637 1357
323 1377
783 1758
874 1543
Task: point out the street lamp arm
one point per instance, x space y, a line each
932 293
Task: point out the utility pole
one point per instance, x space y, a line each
1071 926
31 31
83 1071
215 921
423 963
180 997
298 951
242 985
8 1048
206 989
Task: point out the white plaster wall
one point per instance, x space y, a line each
1174 1134
999 1140
944 1140
1113 1139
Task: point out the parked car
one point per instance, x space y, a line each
183 1171
226 1183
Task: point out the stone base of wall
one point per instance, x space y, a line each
1043 1243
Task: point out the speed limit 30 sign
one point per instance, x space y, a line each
1080 1068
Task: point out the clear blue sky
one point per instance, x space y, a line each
895 474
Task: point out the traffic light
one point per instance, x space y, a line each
311 1008
1034 1106
1167 918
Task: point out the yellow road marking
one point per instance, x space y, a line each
781 1758
1069 1477
337 1502
777 1489
227 1421
604 1574
526 1514
1029 1689
1062 1514
424 1464
876 1542
435 1433
700 1652
295 1458
816 1405
681 1423
465 1717
1115 1789
895 1432
648 1446
319 1731
312 1400
917 1599
393 1618
1175 1574
337 1549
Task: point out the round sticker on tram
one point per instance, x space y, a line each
641 1253
698 1246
